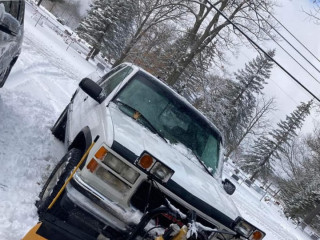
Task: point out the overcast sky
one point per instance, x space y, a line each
287 93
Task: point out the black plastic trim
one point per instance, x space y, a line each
124 152
54 229
87 137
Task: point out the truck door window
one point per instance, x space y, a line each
110 73
110 84
21 11
12 7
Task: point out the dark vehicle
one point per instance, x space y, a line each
11 34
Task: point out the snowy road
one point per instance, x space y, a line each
38 89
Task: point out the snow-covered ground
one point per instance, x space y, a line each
39 87
267 216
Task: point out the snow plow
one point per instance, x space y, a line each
52 228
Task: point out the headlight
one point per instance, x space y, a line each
247 230
114 163
130 174
121 168
112 180
161 172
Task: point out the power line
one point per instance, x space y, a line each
273 39
274 29
265 9
277 85
282 90
262 50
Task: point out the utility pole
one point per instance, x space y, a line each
266 192
39 2
277 192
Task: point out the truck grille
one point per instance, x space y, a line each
157 199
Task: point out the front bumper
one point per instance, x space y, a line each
100 207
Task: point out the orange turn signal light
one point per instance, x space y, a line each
146 161
257 235
101 153
92 165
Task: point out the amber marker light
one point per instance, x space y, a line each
101 153
257 235
146 161
92 165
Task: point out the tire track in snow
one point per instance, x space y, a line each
37 74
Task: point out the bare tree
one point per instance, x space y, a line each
150 13
147 52
314 13
209 24
293 158
300 161
258 121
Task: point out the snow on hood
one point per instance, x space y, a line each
189 173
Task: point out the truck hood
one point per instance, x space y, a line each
190 181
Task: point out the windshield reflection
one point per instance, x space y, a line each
171 117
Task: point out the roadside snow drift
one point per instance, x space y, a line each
27 152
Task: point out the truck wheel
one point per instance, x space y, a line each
59 128
57 178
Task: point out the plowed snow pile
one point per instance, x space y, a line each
27 148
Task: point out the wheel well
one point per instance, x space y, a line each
83 140
14 61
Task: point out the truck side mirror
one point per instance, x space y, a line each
228 186
91 88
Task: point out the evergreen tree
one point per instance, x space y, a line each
253 77
241 97
105 25
267 148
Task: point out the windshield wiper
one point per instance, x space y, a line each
202 163
7 30
139 114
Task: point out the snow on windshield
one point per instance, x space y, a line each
170 117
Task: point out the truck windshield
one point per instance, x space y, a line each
171 116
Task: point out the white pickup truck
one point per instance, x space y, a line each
157 162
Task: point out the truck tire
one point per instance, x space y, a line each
57 178
59 128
